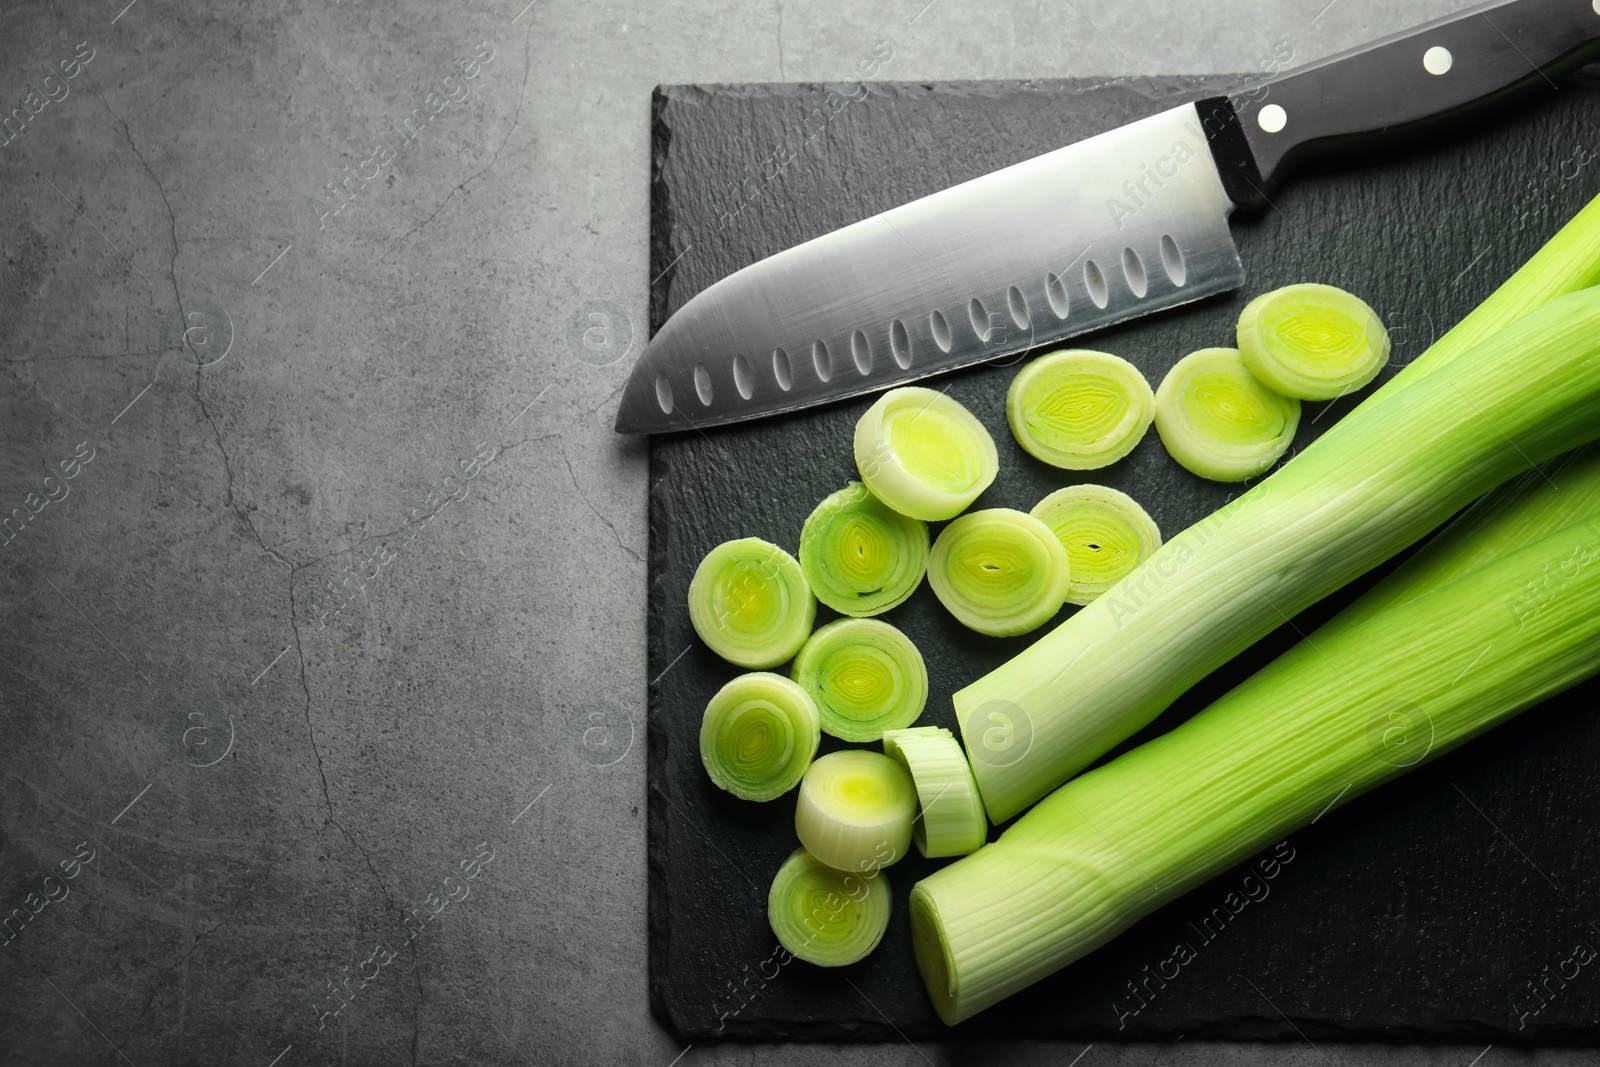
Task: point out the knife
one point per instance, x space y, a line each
1115 226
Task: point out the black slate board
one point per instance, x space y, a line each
1422 911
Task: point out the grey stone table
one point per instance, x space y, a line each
322 605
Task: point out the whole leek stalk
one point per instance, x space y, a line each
1380 479
1449 657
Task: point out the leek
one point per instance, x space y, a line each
1312 342
950 818
750 603
860 556
1105 532
1078 409
855 810
758 736
865 676
1219 421
1000 572
1378 480
826 916
924 454
1309 731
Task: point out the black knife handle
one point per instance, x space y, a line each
1425 80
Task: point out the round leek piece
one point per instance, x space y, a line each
750 603
1000 572
865 676
1219 421
1078 409
1105 532
951 821
924 454
860 556
827 916
1313 342
855 810
759 735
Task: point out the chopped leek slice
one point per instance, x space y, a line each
1219 421
855 810
1312 342
1078 409
1105 532
924 454
750 603
824 915
865 676
860 556
758 736
1000 572
951 820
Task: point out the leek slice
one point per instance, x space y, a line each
1105 532
855 810
1219 421
950 821
1078 409
827 916
750 603
1311 341
1001 572
865 676
860 556
758 736
924 454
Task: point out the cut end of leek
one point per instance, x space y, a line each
1078 409
750 603
865 676
951 820
1219 421
923 454
860 556
1000 572
938 970
758 736
1105 532
1313 342
855 810
824 915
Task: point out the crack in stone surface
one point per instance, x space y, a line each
615 534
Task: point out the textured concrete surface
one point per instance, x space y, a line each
321 612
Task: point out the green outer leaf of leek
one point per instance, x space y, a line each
1105 532
1219 420
826 916
1379 479
758 736
1000 571
855 810
860 556
1356 704
950 819
1079 409
1311 341
865 676
924 454
750 603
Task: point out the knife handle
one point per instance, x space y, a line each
1422 81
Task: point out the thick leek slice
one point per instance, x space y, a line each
865 676
1078 409
860 556
1219 421
950 821
924 454
1000 572
855 810
1312 342
1105 532
824 915
750 603
758 736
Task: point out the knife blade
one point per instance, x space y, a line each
1122 224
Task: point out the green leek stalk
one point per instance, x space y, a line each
1313 729
1381 478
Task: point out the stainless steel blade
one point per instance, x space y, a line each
1115 226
